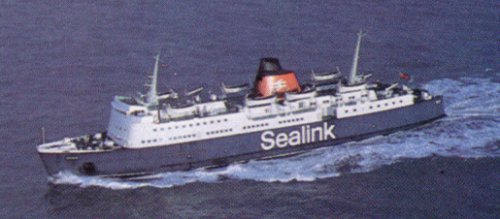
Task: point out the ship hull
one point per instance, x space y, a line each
225 150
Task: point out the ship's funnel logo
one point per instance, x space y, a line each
279 85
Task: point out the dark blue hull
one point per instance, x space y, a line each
221 151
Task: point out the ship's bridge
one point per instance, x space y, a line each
127 106
124 113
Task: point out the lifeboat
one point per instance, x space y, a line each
273 80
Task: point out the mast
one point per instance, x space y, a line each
152 96
353 78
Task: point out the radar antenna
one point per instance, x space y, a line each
353 78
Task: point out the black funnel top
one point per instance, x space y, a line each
269 66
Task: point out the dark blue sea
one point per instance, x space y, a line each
62 62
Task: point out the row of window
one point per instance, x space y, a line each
190 125
291 120
378 106
150 140
255 126
219 131
182 137
171 138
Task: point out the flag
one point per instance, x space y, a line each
404 76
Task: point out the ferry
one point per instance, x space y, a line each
276 116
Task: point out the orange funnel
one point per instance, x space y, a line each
272 79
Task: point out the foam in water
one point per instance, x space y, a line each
471 130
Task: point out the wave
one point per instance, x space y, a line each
470 130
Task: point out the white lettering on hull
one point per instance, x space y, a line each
305 135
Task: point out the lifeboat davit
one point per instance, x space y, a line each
273 80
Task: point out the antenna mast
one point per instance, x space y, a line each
353 78
152 96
